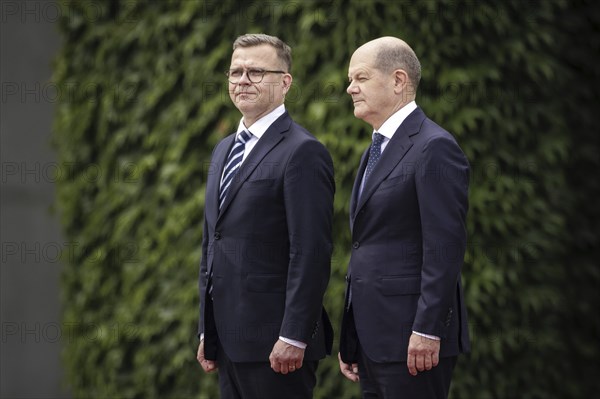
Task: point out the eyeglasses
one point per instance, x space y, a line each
254 75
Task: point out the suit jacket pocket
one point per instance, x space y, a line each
259 183
400 285
392 182
274 283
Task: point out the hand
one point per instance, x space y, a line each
350 373
423 353
207 365
286 358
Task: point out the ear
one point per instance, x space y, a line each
400 80
287 82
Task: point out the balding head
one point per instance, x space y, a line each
383 75
390 54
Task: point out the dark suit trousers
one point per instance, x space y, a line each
393 381
256 380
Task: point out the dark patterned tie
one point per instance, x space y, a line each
374 154
234 160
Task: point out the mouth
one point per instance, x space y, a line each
245 94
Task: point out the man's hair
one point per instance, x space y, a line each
401 56
284 52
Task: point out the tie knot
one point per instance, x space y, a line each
377 139
244 136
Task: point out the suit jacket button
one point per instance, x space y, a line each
356 245
217 235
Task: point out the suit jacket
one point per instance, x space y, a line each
409 238
269 248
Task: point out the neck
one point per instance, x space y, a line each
250 118
397 107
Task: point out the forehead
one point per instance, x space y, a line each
361 62
262 55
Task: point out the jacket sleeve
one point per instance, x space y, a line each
442 181
308 194
203 277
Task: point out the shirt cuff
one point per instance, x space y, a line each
293 342
434 337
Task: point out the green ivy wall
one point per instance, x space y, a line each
144 101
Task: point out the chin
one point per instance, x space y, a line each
358 114
245 103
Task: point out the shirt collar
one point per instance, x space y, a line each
392 123
259 127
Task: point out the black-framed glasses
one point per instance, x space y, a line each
254 75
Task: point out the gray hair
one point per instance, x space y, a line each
401 56
284 52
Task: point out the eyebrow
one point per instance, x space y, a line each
358 75
248 69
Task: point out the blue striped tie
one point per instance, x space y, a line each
234 160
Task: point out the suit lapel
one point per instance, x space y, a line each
274 134
395 150
212 184
357 182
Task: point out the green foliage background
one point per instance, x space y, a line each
515 82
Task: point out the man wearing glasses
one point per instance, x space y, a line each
267 243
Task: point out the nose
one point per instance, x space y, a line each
351 89
244 80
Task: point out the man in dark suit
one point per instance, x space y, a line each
405 319
266 247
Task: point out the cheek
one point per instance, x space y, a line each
266 91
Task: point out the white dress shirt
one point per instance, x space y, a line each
258 128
